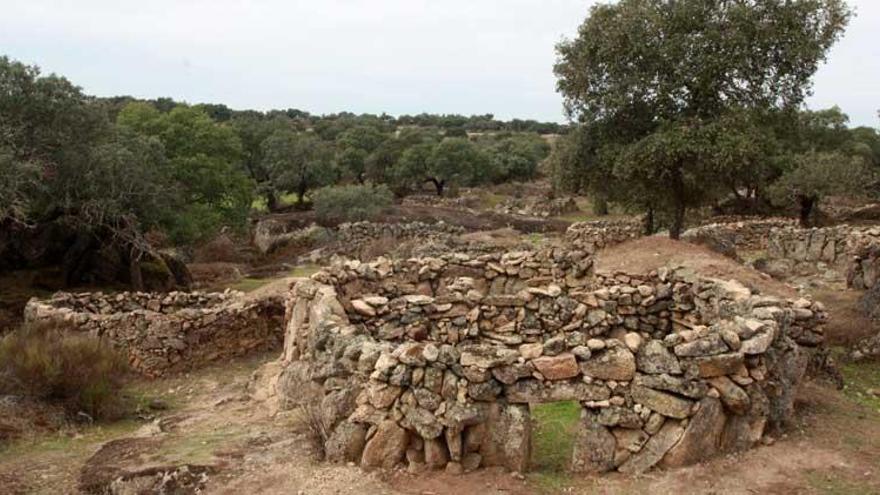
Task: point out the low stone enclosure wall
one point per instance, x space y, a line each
270 235
435 361
541 207
171 332
599 234
842 250
733 237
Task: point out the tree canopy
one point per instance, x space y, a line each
652 74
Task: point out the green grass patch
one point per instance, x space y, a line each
249 284
861 378
555 424
489 200
260 204
553 430
305 271
69 443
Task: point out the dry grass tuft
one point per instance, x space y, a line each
82 373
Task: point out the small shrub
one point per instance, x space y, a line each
82 373
310 422
351 203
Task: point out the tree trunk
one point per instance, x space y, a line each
678 202
677 220
600 206
301 196
272 201
134 269
75 259
807 204
438 184
649 221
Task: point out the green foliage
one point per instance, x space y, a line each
54 364
815 175
671 93
351 203
516 157
298 162
203 161
354 147
452 161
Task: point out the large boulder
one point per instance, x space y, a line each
387 446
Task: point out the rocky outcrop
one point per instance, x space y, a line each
443 355
162 333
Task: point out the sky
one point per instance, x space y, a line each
363 56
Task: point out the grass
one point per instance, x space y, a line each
554 426
260 205
68 444
489 200
835 483
553 435
860 377
249 284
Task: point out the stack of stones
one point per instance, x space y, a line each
434 362
176 331
538 207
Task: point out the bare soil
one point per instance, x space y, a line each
649 253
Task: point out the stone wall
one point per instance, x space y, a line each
599 234
833 251
863 270
541 207
171 332
434 362
732 237
348 238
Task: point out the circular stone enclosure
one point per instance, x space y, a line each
434 362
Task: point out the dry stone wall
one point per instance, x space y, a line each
599 234
434 362
839 251
733 237
540 207
164 333
348 238
863 271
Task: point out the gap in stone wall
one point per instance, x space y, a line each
553 433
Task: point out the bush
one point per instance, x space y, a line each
82 373
351 203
